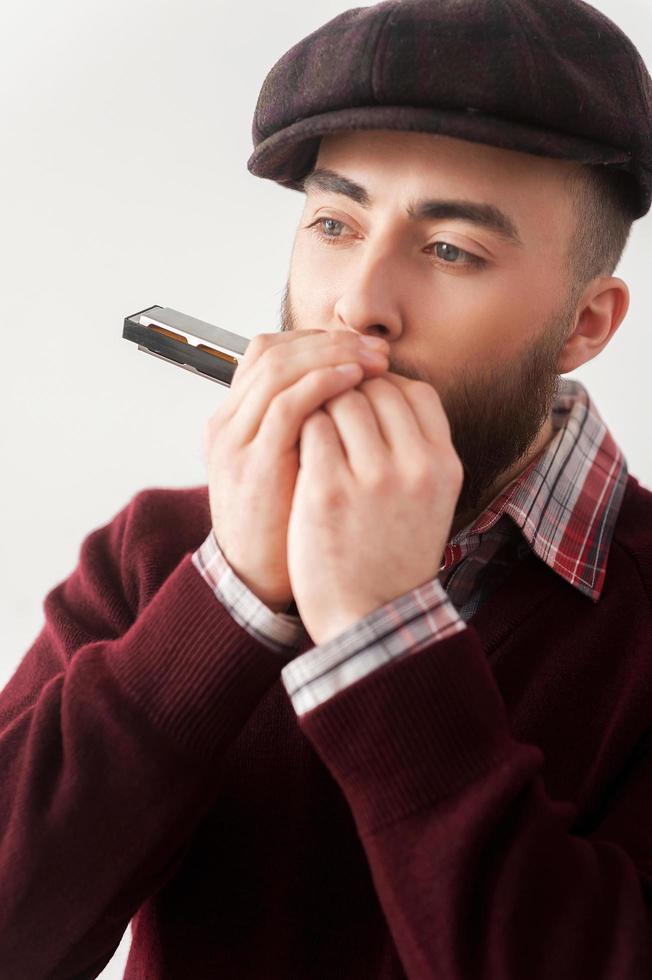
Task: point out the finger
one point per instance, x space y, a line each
395 416
357 427
426 406
258 345
320 449
433 422
399 434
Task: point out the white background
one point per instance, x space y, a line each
126 129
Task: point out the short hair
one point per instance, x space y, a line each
604 205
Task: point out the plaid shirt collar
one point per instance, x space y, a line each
566 501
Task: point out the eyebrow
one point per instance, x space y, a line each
485 215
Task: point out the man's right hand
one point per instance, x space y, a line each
251 445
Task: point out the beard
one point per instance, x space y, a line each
495 413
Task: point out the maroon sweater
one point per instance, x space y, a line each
479 809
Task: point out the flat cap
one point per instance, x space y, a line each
555 78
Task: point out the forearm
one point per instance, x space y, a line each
107 771
476 867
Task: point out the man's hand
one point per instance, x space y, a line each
374 501
251 446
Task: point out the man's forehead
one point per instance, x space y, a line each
511 189
411 149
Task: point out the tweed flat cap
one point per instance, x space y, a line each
555 78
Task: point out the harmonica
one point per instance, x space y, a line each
192 344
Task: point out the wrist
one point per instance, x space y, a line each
283 607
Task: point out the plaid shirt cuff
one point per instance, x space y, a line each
408 624
279 631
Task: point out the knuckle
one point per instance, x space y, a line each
259 342
215 431
239 371
279 406
449 471
286 398
423 476
256 347
456 470
379 476
423 389
313 422
284 403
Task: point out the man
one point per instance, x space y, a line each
376 700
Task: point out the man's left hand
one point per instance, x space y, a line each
374 501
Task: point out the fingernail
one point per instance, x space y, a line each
373 357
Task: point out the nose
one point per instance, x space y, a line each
369 300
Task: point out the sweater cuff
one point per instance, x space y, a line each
414 731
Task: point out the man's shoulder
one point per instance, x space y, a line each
633 529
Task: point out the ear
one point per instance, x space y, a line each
600 312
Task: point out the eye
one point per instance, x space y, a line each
452 250
318 228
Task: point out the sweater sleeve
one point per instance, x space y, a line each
111 733
475 866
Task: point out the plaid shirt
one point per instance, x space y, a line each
563 506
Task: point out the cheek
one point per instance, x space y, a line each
306 283
511 314
312 298
478 321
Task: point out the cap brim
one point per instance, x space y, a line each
289 154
